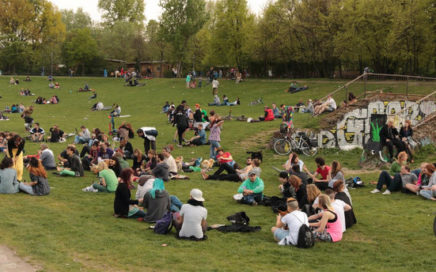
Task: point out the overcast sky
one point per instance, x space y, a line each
152 9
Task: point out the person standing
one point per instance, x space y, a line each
215 85
149 135
215 134
15 152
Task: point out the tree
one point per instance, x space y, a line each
180 21
122 10
157 47
26 27
80 49
231 32
74 20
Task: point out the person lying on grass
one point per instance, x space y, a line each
251 189
191 221
38 185
108 180
124 207
287 226
75 168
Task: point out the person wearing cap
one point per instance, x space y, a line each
149 135
293 220
192 219
252 189
47 158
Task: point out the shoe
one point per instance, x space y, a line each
375 191
179 145
254 203
387 192
89 189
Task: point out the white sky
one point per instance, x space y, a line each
152 9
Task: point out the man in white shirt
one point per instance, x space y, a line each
293 220
329 105
170 161
149 135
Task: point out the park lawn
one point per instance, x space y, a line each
70 230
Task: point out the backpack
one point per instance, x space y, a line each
165 224
305 237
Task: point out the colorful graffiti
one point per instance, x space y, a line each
356 129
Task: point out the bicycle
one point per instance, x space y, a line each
298 142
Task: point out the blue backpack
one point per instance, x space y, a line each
164 225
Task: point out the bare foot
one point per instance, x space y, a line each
204 175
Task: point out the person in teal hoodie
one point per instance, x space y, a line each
251 189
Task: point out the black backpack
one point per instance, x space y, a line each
305 237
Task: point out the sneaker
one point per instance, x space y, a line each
387 192
375 191
254 203
179 145
89 189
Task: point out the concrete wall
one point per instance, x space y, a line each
354 129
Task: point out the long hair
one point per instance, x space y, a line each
402 157
35 168
125 176
312 192
336 168
295 182
324 202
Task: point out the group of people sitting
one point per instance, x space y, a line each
226 102
37 134
55 85
400 177
402 140
53 100
26 92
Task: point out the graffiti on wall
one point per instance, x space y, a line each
354 130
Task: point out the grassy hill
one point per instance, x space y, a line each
70 230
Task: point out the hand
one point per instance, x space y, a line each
281 187
387 140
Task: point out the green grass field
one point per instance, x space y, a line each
70 230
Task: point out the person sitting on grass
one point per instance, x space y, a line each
56 135
389 137
295 170
124 207
328 106
138 160
335 174
108 180
8 177
75 168
145 184
83 137
156 201
57 85
276 111
104 151
170 161
51 85
126 148
47 158
286 230
312 196
37 133
300 190
339 206
251 189
329 227
192 222
339 188
423 179
216 101
293 160
38 185
323 171
162 169
200 138
268 116
386 178
429 191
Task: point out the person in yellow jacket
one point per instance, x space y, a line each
15 152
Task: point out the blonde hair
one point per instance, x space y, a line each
99 167
324 202
402 157
312 192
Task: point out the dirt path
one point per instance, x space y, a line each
10 262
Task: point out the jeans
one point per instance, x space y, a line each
100 188
249 199
213 146
26 188
67 173
138 214
176 204
392 184
279 234
147 144
424 193
80 140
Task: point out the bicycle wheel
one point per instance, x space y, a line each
282 147
308 150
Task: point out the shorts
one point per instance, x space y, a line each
280 234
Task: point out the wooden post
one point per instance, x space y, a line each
407 87
364 85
